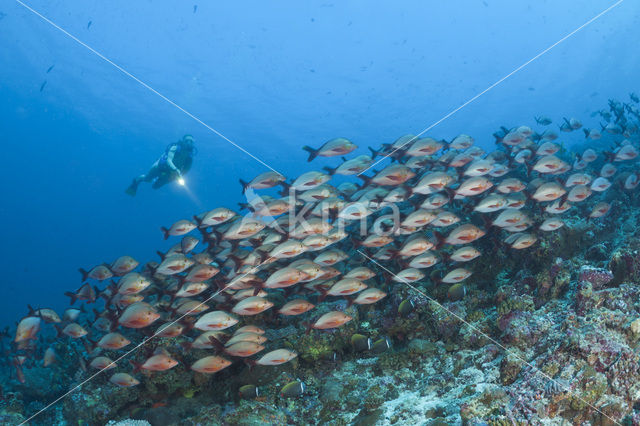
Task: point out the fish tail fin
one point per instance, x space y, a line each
529 168
220 284
285 188
244 184
197 220
96 313
165 232
72 296
32 311
308 327
136 366
97 291
333 214
213 238
487 221
366 180
331 171
84 274
257 286
374 153
217 344
350 301
608 155
236 260
58 330
152 268
451 193
313 153
439 239
247 206
586 133
91 345
251 363
161 254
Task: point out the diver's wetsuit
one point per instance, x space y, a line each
174 162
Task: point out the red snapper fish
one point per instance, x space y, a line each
138 315
181 227
332 148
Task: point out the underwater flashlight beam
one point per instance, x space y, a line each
495 84
494 341
145 85
141 344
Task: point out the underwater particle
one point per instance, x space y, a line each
405 307
42 85
89 24
381 345
248 392
293 389
50 68
360 342
195 7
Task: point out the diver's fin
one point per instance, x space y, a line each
133 188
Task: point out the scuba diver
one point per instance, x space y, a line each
175 162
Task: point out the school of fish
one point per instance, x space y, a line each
433 210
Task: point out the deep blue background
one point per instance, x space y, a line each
272 76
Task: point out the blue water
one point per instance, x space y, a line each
271 77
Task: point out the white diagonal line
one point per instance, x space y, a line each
145 85
144 342
495 84
477 330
